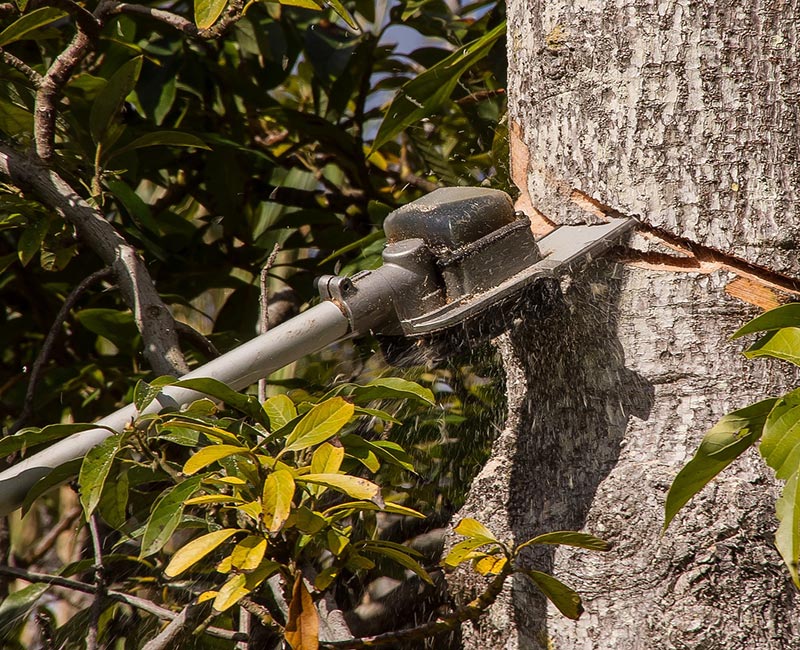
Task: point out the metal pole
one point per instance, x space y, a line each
309 332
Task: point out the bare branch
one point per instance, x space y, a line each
152 317
263 319
49 540
9 59
188 616
119 596
50 341
197 339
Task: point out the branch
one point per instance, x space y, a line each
468 612
119 596
151 315
188 616
197 339
99 584
9 59
234 13
50 341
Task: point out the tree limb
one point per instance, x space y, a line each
9 59
152 317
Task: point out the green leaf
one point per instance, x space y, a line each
323 421
207 455
781 344
342 12
14 120
398 553
565 599
277 499
725 442
774 319
114 501
162 139
94 471
30 241
280 410
206 12
356 245
17 607
427 93
106 107
117 326
392 388
247 404
569 538
358 488
133 203
780 443
31 437
166 515
787 538
58 476
196 550
22 28
473 529
344 509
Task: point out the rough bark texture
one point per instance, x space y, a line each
685 116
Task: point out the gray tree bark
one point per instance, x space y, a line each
684 115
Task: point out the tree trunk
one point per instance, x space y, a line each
683 115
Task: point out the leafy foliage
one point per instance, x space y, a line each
773 423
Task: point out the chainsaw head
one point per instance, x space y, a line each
461 261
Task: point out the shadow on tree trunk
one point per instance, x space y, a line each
575 406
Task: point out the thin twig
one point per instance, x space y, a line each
99 584
261 613
9 59
50 340
164 639
263 318
47 542
234 13
119 596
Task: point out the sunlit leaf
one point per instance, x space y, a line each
231 592
781 344
31 437
206 12
353 506
247 404
784 316
302 626
323 421
723 444
354 486
463 551
392 388
277 499
166 515
280 410
474 529
566 600
327 459
491 564
208 455
196 550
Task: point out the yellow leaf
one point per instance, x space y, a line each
208 455
358 488
206 12
248 553
196 550
323 421
206 595
490 565
302 628
276 500
327 459
231 593
469 527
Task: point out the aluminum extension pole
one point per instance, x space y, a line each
309 332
